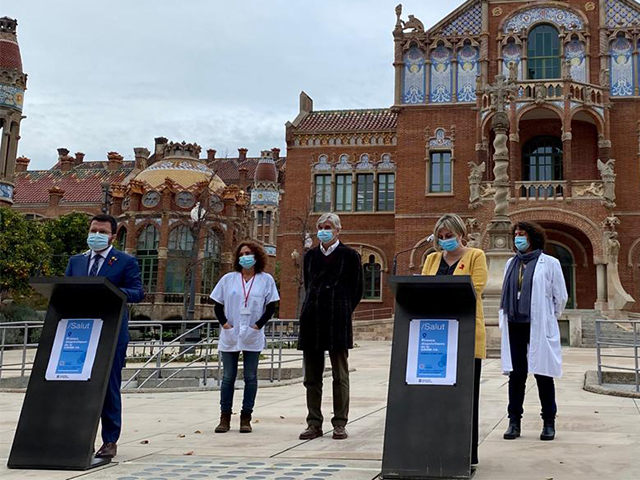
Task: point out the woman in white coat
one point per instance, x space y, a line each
533 298
244 301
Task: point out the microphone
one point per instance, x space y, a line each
429 239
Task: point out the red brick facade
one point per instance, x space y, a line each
586 117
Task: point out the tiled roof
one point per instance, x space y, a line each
98 164
227 168
382 120
80 185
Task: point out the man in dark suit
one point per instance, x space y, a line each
333 285
122 270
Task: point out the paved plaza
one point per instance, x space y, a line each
170 435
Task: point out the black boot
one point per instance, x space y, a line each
548 430
513 431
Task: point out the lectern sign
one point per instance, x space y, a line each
74 349
432 352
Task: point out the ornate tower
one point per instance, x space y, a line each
13 83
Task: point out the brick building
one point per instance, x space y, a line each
570 99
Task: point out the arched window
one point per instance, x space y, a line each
543 53
147 254
211 261
542 162
567 263
121 238
180 245
372 279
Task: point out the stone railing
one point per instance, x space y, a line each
540 91
543 190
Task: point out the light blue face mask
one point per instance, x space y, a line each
98 241
247 261
521 243
325 235
450 244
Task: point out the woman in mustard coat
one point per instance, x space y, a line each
453 257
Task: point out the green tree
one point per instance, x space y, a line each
23 253
66 236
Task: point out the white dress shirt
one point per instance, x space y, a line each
104 254
329 250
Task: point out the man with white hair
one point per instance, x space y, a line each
333 286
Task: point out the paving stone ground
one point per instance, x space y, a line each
170 435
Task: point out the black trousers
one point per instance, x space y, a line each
313 373
476 402
519 335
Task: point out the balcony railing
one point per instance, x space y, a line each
540 190
538 91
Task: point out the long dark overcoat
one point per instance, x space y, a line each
333 286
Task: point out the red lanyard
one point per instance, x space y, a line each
244 292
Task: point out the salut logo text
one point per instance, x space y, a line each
433 326
79 326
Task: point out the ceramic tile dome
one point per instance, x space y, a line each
266 169
9 49
182 166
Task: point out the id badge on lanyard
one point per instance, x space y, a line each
245 309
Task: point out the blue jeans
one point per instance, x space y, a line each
229 374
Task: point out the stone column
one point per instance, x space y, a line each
567 138
499 230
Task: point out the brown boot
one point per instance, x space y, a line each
245 423
225 423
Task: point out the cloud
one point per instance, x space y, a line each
113 75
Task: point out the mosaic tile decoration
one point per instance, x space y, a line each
470 21
621 67
441 75
575 53
558 16
414 81
468 57
620 13
512 52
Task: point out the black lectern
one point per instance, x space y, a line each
429 426
59 418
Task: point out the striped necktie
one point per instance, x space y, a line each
96 265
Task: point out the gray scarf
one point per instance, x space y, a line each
509 302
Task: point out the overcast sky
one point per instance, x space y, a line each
113 75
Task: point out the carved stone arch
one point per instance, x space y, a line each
556 215
365 250
146 222
423 242
413 42
426 253
624 31
599 121
529 108
635 245
438 42
466 38
582 250
542 5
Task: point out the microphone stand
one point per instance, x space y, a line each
429 239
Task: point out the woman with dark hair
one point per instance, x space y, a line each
533 298
244 301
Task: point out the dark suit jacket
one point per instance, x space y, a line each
333 288
122 270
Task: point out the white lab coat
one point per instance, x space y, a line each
548 299
228 291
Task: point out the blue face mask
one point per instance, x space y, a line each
247 261
325 235
98 241
521 243
450 244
